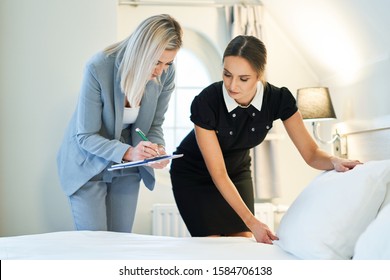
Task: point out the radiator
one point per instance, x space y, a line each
168 222
265 212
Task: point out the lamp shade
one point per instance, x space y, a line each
315 104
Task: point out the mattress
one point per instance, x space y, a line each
95 245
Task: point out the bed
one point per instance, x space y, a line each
78 245
340 216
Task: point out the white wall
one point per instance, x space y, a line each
347 43
44 45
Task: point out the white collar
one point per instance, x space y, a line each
257 101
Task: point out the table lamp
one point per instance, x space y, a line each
316 106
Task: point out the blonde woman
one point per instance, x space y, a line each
128 85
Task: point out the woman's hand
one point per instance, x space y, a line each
342 165
160 164
261 232
143 150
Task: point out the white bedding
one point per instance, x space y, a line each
325 222
94 245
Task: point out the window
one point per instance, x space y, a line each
198 64
191 77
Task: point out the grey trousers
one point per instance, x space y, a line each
106 206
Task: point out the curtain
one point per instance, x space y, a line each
247 20
244 20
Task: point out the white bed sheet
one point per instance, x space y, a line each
95 245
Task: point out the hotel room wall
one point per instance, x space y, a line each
347 44
364 97
44 46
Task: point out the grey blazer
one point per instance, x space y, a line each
92 140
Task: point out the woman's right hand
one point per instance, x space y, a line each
261 232
143 150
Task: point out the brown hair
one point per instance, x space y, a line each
251 49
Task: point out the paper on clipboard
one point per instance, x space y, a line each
142 162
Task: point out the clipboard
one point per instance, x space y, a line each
137 163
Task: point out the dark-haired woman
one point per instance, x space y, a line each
212 183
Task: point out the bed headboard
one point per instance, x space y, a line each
364 140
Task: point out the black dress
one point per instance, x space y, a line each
201 205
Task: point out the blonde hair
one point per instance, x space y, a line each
141 51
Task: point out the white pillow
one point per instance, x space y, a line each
374 243
327 218
386 201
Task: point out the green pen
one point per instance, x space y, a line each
141 134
